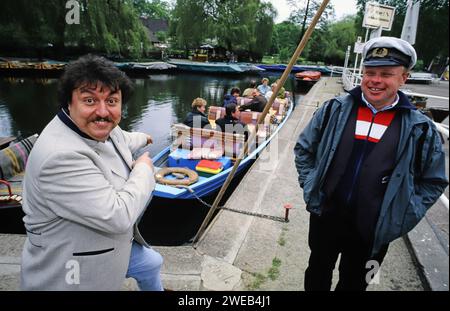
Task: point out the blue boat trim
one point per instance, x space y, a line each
206 186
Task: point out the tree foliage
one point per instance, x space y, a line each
153 9
299 12
234 24
106 26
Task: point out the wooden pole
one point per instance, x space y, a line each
261 118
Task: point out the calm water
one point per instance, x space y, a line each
27 105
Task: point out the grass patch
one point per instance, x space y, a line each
272 273
258 281
282 239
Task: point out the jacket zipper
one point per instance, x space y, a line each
358 166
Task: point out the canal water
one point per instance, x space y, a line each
27 105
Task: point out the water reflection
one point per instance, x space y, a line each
27 105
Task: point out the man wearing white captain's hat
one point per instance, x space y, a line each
370 166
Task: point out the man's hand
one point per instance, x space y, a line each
149 140
144 158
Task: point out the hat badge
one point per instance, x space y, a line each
380 52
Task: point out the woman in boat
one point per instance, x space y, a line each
197 117
256 104
264 86
249 91
282 92
232 97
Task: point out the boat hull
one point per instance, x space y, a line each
207 67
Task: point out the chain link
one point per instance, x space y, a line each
274 218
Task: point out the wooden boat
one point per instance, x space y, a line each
307 78
250 68
297 68
219 67
24 67
183 155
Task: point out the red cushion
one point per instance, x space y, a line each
214 165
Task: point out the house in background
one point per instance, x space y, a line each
153 26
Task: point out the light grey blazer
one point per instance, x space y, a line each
80 211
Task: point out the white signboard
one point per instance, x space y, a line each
378 15
358 46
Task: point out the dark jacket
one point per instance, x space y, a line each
229 99
197 118
228 122
257 104
417 181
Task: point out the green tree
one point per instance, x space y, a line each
106 26
153 9
189 23
285 36
234 24
340 35
303 14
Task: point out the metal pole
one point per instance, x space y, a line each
361 64
282 80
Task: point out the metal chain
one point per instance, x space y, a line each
274 218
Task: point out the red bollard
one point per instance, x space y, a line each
287 207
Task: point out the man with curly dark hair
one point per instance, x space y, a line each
83 193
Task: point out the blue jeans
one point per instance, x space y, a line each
145 265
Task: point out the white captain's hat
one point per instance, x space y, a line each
389 51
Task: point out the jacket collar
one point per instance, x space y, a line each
63 115
196 111
403 101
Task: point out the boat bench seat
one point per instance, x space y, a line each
229 144
216 112
247 117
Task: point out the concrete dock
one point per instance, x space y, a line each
241 252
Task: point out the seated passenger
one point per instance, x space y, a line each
282 92
264 87
230 123
256 104
232 97
197 117
272 89
249 91
231 117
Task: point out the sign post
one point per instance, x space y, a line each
377 17
409 29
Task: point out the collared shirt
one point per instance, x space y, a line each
374 110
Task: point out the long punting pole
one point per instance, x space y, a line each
283 79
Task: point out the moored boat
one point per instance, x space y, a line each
297 68
307 78
217 148
206 67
